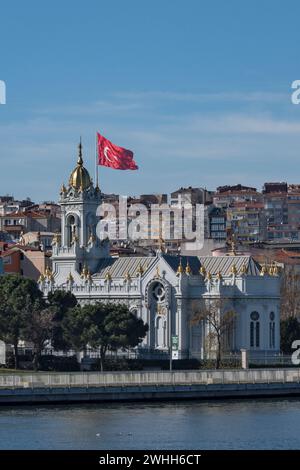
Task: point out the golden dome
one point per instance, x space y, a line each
80 178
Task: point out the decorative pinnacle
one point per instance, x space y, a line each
180 267
188 268
80 161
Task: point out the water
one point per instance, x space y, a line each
243 424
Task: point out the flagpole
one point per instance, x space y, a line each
96 163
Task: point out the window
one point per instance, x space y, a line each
272 331
158 292
254 330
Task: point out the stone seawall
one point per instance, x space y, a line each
77 394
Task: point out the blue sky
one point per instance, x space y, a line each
199 90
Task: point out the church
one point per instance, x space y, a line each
164 290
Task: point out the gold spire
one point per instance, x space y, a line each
208 276
70 278
84 272
188 268
80 178
48 272
41 278
219 275
275 270
202 271
180 268
127 276
140 270
271 270
244 269
108 276
63 189
264 270
233 270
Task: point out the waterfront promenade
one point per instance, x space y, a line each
146 385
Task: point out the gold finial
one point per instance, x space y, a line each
80 178
63 189
127 277
188 268
92 237
41 278
180 268
70 278
264 270
219 276
107 276
275 270
84 271
89 276
140 270
208 276
47 272
157 274
56 239
243 269
271 270
202 271
233 270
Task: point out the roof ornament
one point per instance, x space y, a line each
80 161
180 267
188 270
264 270
202 270
244 269
140 270
233 270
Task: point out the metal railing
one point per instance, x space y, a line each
141 378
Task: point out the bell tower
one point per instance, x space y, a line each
77 247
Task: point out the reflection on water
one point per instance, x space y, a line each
244 424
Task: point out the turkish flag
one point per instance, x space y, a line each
113 156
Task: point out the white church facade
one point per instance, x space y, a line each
164 289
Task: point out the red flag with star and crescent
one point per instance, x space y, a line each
112 156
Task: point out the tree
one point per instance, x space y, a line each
38 328
61 301
289 331
290 292
220 317
17 297
103 326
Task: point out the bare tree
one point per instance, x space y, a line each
220 317
290 292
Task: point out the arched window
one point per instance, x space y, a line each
254 330
159 333
71 228
272 331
